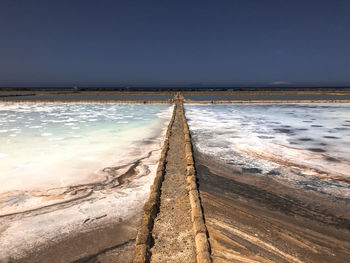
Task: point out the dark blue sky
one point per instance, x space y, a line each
174 42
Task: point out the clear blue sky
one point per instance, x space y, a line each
166 42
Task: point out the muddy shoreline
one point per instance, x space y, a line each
107 236
106 243
258 219
86 222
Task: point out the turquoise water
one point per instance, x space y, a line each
54 145
60 166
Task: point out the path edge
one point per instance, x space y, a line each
151 207
197 216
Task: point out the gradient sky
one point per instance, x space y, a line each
165 42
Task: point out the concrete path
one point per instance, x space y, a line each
173 229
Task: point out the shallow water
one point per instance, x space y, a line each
69 168
47 145
304 144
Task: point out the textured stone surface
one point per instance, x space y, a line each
173 229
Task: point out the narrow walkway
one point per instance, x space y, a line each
173 229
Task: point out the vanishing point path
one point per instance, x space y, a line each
172 228
172 231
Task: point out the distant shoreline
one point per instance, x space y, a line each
166 96
178 89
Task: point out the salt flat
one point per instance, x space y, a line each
69 169
274 180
